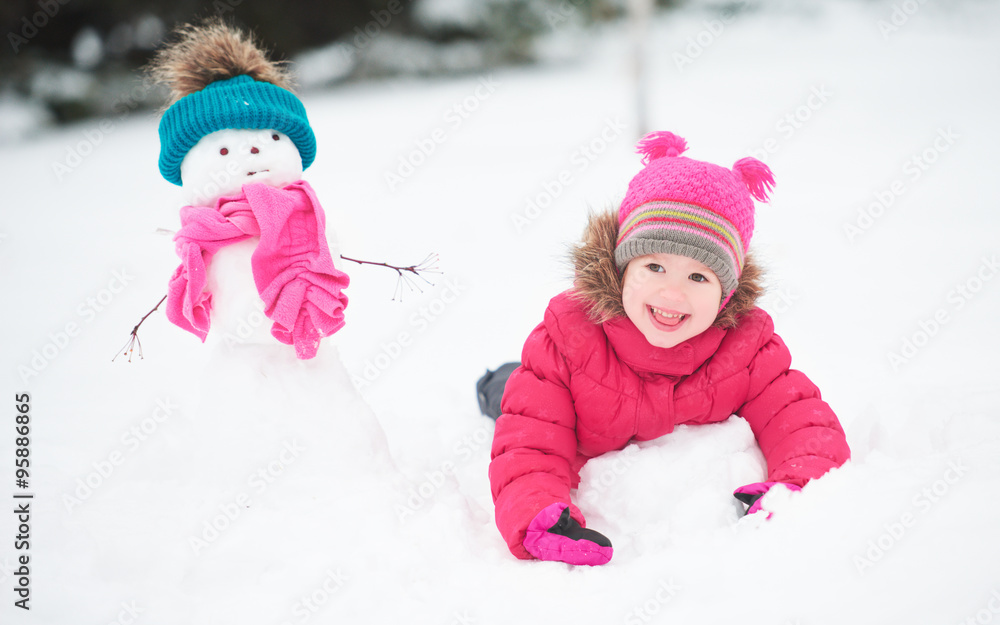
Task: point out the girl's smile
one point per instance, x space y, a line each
667 320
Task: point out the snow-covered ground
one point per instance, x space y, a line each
228 483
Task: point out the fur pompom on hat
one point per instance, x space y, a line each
677 205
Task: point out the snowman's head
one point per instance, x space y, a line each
225 160
234 132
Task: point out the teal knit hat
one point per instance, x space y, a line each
239 102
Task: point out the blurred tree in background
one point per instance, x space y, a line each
68 59
291 25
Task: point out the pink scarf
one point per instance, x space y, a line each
292 267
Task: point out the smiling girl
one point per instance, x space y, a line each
660 329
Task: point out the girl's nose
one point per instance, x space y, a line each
672 289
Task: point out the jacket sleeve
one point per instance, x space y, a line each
797 431
535 442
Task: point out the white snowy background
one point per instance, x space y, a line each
227 483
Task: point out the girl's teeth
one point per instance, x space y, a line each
667 315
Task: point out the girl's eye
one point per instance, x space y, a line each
654 268
275 137
224 151
697 277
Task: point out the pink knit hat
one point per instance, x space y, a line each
677 205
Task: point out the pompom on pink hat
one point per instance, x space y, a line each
677 205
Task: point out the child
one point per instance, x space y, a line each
660 329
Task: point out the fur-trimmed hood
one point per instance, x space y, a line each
598 284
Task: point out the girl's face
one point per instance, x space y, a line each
670 298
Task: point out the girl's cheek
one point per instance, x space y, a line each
631 289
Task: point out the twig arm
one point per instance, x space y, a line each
133 341
427 265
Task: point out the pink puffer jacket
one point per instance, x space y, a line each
587 388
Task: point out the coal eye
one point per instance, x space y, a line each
224 151
275 137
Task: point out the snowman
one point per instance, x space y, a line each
255 262
254 256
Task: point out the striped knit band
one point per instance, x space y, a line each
685 229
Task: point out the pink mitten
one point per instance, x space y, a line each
554 535
751 494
